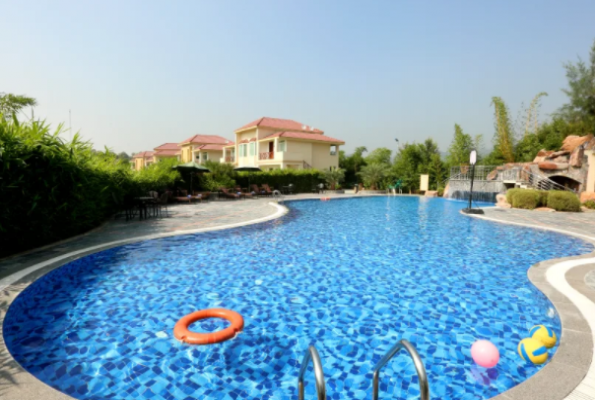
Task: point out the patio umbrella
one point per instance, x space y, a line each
191 167
247 168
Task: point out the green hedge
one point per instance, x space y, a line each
530 199
510 194
527 199
563 201
303 180
590 204
50 189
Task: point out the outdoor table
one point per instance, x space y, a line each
142 205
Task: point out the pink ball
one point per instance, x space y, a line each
485 354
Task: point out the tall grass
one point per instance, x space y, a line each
51 189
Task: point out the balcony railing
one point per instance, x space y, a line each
230 159
269 155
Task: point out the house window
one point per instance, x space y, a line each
282 146
252 148
333 150
243 150
197 156
205 156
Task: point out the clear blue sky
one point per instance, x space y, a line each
137 74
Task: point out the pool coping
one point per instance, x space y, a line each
562 376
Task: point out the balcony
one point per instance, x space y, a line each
269 155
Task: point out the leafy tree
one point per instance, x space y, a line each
460 148
373 174
407 166
351 164
11 104
527 148
504 138
333 177
124 156
427 150
437 171
381 155
581 92
531 121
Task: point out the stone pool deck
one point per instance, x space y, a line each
570 374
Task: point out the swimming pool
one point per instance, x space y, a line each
351 276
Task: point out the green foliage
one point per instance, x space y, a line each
590 204
504 138
460 148
437 172
158 176
407 165
381 155
303 180
526 198
333 177
221 176
373 174
510 193
581 92
352 164
11 104
527 148
563 201
52 189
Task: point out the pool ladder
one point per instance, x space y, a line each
312 355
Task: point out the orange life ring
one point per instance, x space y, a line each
181 331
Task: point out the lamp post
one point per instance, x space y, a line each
472 161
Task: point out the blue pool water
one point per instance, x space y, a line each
351 276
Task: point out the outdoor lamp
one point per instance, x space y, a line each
473 157
472 161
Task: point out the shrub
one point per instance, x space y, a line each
527 199
303 180
563 201
51 189
440 192
510 194
590 204
333 177
543 195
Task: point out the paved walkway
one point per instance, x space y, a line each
579 223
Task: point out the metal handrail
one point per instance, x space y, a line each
312 354
424 389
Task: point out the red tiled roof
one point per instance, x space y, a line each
306 136
279 123
167 153
206 139
211 147
167 150
167 146
144 154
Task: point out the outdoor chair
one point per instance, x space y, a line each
246 194
183 196
127 206
160 203
228 195
202 196
256 190
267 189
321 188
